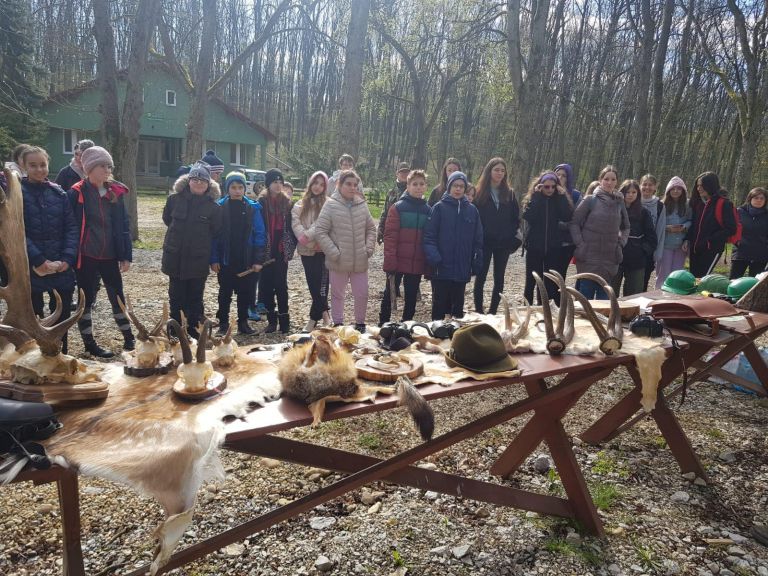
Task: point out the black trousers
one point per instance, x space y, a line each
650 266
242 287
539 263
273 285
411 288
317 282
500 258
447 298
66 307
562 262
738 267
88 276
703 263
187 296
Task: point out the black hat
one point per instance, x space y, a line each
216 164
273 175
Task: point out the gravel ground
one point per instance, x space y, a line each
657 521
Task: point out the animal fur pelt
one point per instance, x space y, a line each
320 372
143 436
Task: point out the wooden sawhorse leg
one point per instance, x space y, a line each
69 504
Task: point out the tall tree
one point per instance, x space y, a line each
106 74
354 57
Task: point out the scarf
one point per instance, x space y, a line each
276 221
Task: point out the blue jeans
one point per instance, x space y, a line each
591 289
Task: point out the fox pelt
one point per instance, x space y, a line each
319 372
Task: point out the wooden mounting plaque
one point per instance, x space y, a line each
215 385
628 309
54 393
164 364
413 369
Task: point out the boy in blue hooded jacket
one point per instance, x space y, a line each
453 247
240 247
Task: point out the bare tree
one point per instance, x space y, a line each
354 58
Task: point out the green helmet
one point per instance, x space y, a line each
715 283
680 282
740 286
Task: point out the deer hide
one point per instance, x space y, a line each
145 437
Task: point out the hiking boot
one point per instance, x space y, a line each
97 351
360 328
223 328
242 328
271 323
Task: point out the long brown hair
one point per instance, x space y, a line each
311 203
672 204
484 184
636 208
443 184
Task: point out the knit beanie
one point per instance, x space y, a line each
234 176
200 171
94 156
456 176
549 176
273 175
676 182
216 165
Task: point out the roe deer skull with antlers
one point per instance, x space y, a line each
151 343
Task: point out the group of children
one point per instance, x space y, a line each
621 232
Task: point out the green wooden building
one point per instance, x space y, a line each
75 114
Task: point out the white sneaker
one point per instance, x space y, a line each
310 325
327 319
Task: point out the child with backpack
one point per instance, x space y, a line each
715 223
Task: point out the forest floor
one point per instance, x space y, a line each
656 520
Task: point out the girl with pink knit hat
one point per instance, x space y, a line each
678 219
303 217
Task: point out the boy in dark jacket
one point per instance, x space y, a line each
105 248
752 250
240 248
453 247
194 221
403 250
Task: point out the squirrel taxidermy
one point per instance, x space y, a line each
320 372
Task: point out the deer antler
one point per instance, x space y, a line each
161 323
556 340
174 330
127 309
522 323
565 326
18 292
51 319
614 327
201 343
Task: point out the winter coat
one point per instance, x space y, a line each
544 215
68 177
121 227
500 225
393 196
285 246
669 240
346 232
403 236
658 213
52 234
705 232
753 245
193 224
304 231
600 227
565 225
255 243
453 240
641 243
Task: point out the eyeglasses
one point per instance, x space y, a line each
198 180
547 187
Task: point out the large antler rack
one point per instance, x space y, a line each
20 316
557 339
612 333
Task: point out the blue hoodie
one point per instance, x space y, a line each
453 237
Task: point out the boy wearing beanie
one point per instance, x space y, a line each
215 165
240 247
194 221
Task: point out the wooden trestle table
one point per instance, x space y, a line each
549 401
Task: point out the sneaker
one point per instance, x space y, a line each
253 314
244 329
360 328
129 344
223 328
261 308
310 325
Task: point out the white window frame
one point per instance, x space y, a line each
72 141
168 93
238 155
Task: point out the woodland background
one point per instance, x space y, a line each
667 86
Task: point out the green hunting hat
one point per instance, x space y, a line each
479 348
715 283
680 282
740 286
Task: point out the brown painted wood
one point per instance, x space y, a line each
69 504
296 452
676 438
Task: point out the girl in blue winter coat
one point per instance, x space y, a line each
52 236
453 247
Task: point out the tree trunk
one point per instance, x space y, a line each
147 14
640 125
107 74
354 57
196 122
